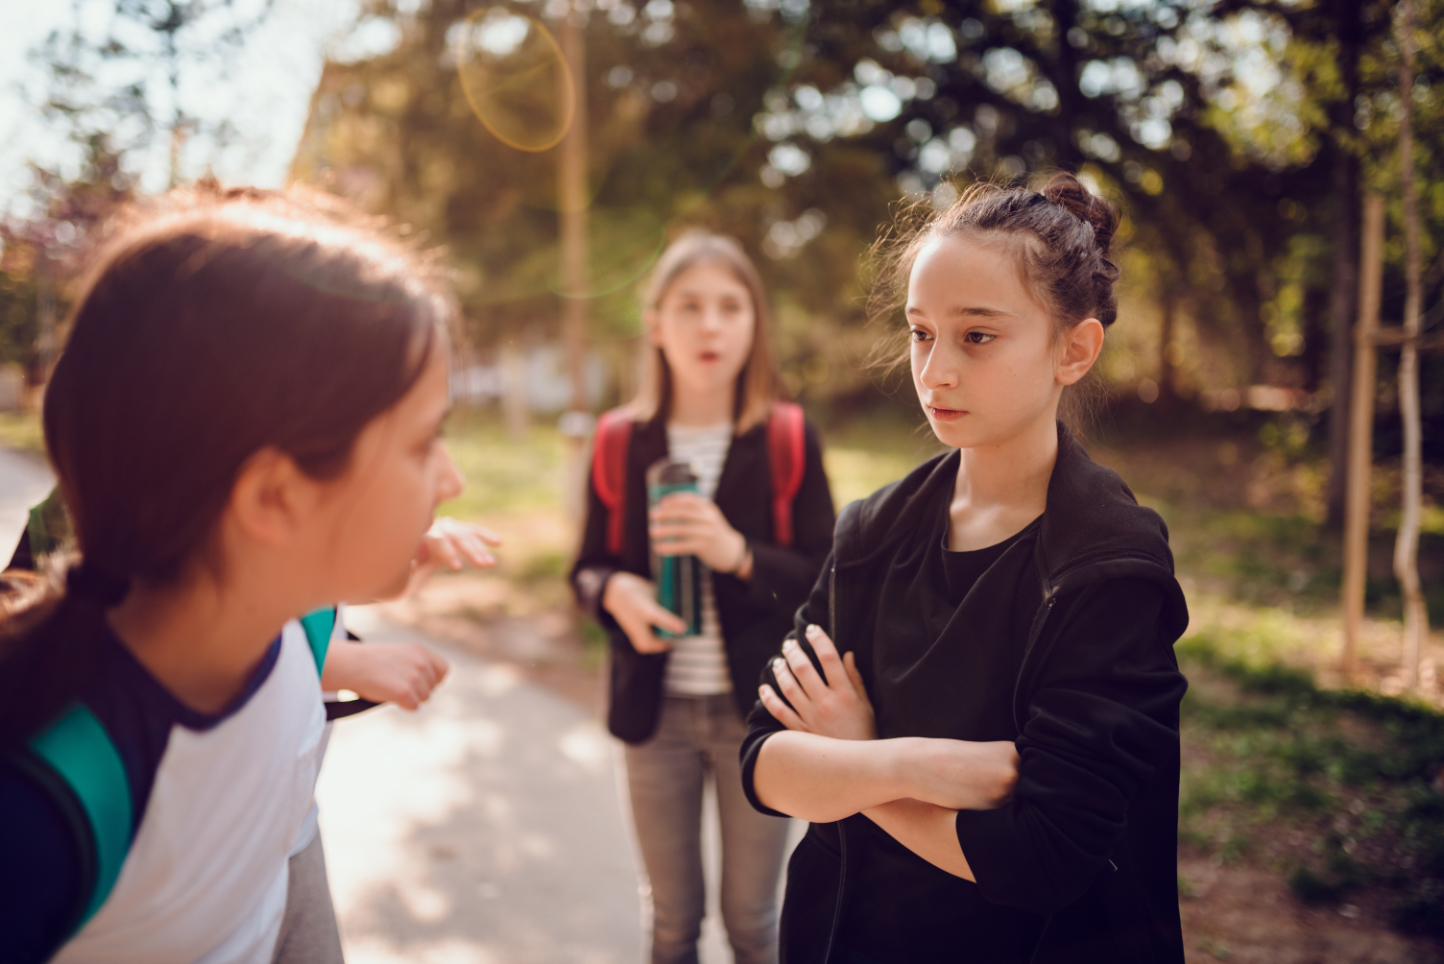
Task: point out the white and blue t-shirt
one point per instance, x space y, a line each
220 802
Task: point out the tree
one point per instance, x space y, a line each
38 255
124 81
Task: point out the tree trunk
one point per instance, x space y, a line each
1346 246
1361 435
1406 549
573 194
1167 374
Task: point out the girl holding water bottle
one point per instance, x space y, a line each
757 529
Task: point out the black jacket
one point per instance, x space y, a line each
1088 846
755 614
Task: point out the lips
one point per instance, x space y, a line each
945 414
710 356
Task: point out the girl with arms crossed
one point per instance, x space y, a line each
761 523
244 423
991 767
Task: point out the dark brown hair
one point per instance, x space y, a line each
211 325
758 384
1059 237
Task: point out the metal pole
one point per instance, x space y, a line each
1361 429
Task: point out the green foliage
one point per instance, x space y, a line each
22 430
503 476
19 317
1353 773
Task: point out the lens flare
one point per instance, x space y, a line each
515 78
622 245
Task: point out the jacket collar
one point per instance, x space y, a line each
1093 528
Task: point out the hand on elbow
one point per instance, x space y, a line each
963 775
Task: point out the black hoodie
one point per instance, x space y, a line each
755 613
1082 865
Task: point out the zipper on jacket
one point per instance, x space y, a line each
841 829
1028 651
832 603
841 885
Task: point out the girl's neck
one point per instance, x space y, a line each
701 409
197 640
1001 488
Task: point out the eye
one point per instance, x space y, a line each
978 337
918 335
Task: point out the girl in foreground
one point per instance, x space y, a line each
709 399
991 767
244 425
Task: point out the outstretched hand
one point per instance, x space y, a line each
453 544
835 707
400 673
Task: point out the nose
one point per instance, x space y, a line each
939 368
449 481
712 319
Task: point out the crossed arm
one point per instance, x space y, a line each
829 764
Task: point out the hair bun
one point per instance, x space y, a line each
1069 193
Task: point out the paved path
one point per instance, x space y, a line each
24 481
484 828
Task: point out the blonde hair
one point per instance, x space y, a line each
759 384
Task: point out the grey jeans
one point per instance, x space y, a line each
308 930
666 777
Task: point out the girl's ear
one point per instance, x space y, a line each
1081 345
271 497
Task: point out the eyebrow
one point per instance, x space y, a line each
970 311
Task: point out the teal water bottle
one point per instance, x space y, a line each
678 578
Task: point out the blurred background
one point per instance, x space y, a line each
550 148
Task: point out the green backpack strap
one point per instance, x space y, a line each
48 527
319 626
80 752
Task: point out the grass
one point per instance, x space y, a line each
21 430
1339 791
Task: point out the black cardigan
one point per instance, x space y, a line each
755 614
1089 843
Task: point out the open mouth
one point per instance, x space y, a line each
710 357
945 414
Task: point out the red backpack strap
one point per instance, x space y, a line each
786 453
609 470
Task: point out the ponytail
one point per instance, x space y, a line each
48 653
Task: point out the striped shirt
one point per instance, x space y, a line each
698 664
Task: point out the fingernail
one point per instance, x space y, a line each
788 645
813 629
777 663
762 690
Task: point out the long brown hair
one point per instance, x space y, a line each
213 324
759 384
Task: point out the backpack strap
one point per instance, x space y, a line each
609 470
319 626
786 454
79 751
47 527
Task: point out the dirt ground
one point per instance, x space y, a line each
1245 915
